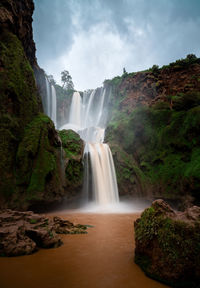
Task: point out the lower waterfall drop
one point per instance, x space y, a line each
104 182
100 179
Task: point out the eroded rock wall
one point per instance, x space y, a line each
154 132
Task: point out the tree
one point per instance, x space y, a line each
67 80
155 69
51 79
124 71
191 57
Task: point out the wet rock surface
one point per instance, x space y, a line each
167 244
23 233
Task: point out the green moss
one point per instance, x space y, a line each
36 158
176 241
18 105
71 142
18 90
33 221
73 147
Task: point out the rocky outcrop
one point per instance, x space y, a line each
23 233
167 244
155 124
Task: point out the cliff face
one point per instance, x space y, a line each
30 149
16 17
153 85
154 131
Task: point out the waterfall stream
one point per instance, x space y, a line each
50 103
88 118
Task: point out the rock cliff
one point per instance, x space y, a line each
30 148
154 131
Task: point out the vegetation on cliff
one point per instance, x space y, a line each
161 132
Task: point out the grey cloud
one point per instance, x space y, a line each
53 28
154 31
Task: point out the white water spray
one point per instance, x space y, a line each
88 117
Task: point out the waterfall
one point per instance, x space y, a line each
88 118
105 189
48 101
75 110
54 105
50 105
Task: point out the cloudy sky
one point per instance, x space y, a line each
95 39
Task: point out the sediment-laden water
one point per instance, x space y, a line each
103 258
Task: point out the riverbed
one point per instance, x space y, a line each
103 258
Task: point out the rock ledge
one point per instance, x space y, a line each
23 233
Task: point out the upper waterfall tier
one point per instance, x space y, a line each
88 115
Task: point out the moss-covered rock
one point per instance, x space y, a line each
18 105
38 165
72 146
167 244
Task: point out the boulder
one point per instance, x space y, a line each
167 244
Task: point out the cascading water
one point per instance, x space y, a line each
88 118
48 99
54 105
50 103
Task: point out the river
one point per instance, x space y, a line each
103 258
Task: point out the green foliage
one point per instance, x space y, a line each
33 221
154 69
186 101
183 63
165 141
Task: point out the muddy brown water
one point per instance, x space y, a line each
103 258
